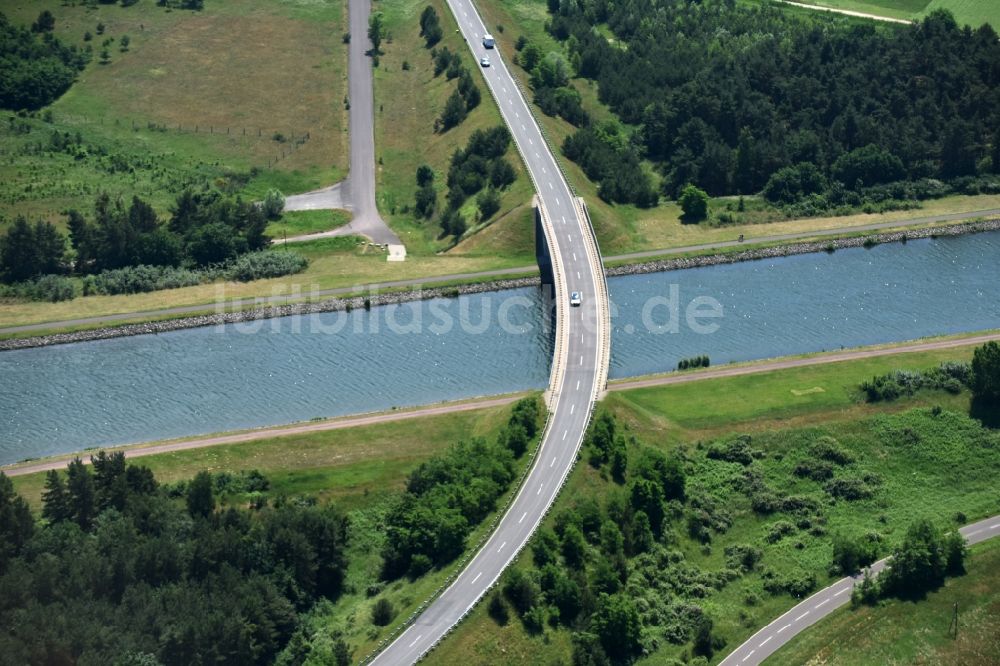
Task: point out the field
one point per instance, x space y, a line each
407 101
187 103
899 632
971 12
784 415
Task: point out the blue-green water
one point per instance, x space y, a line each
64 398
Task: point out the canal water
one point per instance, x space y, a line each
65 398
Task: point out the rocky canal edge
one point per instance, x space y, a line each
397 297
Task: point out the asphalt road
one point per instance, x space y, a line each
769 639
519 270
572 400
357 192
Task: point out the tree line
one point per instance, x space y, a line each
206 228
125 570
739 99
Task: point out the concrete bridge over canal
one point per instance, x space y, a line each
571 260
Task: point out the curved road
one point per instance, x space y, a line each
767 641
577 366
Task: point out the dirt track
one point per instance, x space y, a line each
449 408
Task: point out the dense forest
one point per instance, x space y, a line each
126 571
35 67
742 99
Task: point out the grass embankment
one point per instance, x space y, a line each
363 471
623 228
920 462
906 632
223 70
407 102
343 465
333 263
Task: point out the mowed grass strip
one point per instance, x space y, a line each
970 12
302 222
766 400
909 632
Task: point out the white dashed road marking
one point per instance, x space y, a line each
523 517
765 641
801 616
553 463
572 408
837 594
416 639
476 578
578 385
501 546
748 655
540 489
783 628
581 359
825 601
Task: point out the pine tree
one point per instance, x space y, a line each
55 499
80 485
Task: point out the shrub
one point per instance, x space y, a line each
737 450
497 608
51 288
273 204
850 555
849 489
779 531
817 470
383 612
265 264
694 203
742 557
141 279
828 448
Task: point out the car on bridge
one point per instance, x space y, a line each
484 61
575 299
